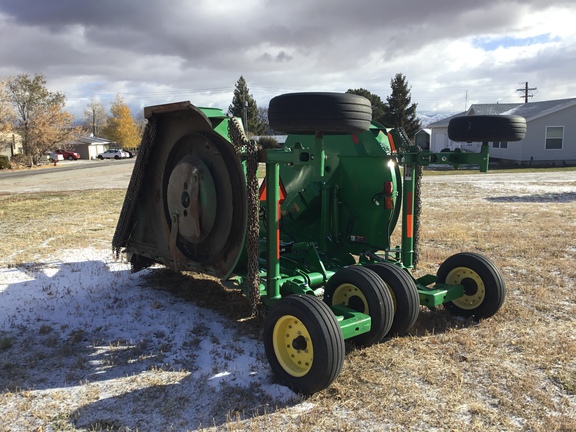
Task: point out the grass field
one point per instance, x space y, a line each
514 371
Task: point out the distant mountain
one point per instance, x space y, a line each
428 117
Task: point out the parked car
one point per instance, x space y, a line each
70 155
53 156
113 154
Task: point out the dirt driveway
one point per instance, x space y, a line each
68 176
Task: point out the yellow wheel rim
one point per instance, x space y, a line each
392 295
293 346
350 296
474 289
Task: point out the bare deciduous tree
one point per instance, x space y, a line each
7 114
95 116
40 117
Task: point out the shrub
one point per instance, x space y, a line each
4 163
20 159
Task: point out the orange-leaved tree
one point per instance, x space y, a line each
120 126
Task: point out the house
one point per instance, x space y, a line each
10 144
550 132
89 147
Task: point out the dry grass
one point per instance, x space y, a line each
37 225
515 371
448 170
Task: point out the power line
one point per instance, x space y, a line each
525 90
506 97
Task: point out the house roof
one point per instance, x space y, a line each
92 140
490 109
529 111
535 110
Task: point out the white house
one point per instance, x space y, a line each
550 133
89 147
10 144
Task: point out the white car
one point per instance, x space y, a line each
53 156
113 154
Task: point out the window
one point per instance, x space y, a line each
554 137
500 144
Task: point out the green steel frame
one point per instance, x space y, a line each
352 323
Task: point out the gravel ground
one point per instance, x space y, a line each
68 175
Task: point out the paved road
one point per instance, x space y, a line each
86 175
68 176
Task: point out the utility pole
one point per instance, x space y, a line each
525 90
245 115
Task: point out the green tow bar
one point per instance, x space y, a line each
439 293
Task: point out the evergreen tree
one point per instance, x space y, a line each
400 111
378 106
121 127
243 99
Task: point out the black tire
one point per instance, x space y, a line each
483 282
116 157
303 343
100 157
481 128
404 296
70 157
331 113
361 289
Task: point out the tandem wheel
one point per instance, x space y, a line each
303 343
484 287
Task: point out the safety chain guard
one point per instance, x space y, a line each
242 144
417 212
407 146
123 229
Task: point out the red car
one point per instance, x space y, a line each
70 155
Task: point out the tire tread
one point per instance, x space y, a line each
328 359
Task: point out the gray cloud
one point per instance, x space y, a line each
154 51
282 56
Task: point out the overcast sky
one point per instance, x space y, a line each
452 52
